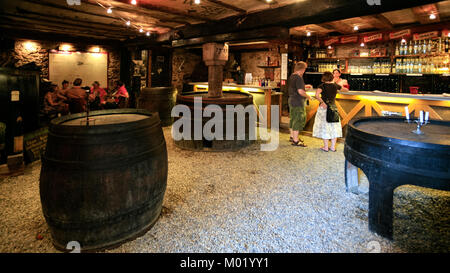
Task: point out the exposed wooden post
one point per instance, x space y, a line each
215 56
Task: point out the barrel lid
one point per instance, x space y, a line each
104 120
437 132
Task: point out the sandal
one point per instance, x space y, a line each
333 150
292 140
299 144
324 150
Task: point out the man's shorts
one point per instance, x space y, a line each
298 118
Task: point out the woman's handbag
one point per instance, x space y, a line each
332 114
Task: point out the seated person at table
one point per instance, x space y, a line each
54 105
97 98
76 97
62 93
121 96
118 97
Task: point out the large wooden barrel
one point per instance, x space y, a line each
391 156
231 98
103 184
159 99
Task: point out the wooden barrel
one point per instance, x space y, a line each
103 184
391 155
159 99
230 98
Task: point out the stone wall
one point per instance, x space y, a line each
27 52
184 65
251 60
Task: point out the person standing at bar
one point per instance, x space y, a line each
337 79
326 95
297 101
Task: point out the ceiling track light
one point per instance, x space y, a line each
308 34
355 28
141 30
197 2
133 2
148 33
109 10
128 23
432 16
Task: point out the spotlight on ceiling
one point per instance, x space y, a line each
432 16
133 2
197 2
109 10
308 34
355 28
362 44
128 23
141 30
148 33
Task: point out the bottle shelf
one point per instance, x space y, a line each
422 55
387 74
353 57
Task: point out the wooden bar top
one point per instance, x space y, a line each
435 97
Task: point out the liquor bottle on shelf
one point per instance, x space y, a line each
447 45
397 51
410 48
416 48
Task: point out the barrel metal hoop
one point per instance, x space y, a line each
109 164
402 168
68 225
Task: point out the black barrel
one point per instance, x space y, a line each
231 98
103 184
391 155
158 99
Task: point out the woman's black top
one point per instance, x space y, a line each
329 91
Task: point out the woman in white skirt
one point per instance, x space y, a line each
326 95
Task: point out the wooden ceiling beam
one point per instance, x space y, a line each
270 33
300 13
157 15
167 10
228 6
423 13
378 21
24 32
65 28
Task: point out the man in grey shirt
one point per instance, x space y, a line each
297 99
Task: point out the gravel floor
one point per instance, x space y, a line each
245 201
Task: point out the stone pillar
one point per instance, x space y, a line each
215 56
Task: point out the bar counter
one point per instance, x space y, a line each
262 95
354 104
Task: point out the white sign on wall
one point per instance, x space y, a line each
89 67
